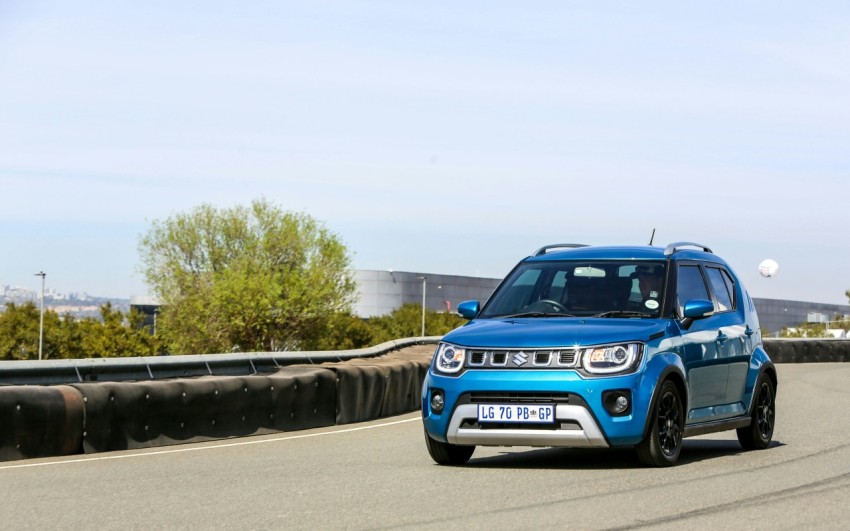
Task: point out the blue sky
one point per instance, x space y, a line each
441 137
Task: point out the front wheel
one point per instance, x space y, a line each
663 442
447 454
759 433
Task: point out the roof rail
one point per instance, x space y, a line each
674 247
546 248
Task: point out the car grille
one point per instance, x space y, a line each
502 397
522 358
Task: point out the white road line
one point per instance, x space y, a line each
210 446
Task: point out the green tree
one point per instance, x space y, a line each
19 325
62 337
817 330
19 331
114 334
406 321
248 278
343 331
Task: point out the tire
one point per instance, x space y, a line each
448 454
663 441
759 433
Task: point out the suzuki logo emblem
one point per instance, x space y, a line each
520 358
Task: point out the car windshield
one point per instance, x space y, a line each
569 288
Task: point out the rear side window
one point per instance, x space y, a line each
723 297
730 285
690 286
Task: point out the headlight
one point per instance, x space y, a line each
610 358
450 358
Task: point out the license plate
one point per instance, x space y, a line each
516 413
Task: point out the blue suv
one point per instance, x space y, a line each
597 347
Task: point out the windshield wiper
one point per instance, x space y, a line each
623 313
537 314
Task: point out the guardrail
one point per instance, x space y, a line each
97 405
67 371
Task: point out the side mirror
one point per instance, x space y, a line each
468 309
696 309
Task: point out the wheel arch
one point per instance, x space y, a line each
770 371
767 370
760 365
675 374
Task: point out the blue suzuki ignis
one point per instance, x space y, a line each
598 347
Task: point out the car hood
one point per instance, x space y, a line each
554 332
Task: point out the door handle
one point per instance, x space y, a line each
721 337
749 331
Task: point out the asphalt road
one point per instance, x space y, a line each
378 475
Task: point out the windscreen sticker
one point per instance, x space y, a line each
651 304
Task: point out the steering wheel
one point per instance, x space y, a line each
547 304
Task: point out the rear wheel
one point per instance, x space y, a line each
448 454
663 442
759 433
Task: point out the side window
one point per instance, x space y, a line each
730 286
690 286
723 302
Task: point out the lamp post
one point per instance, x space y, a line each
41 274
424 280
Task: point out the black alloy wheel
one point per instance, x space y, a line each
669 432
759 433
663 442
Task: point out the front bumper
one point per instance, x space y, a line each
581 418
574 427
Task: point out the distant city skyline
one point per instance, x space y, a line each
21 292
77 304
443 138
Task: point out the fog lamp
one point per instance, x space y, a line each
621 404
437 401
618 403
